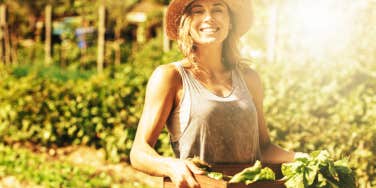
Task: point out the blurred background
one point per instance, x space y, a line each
73 76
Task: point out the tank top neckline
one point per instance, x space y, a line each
208 90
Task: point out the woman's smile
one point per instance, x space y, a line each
209 29
210 21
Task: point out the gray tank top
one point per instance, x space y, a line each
219 129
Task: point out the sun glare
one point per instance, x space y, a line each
320 27
308 29
317 20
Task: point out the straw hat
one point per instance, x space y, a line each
241 11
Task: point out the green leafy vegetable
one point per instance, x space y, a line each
215 175
318 170
252 174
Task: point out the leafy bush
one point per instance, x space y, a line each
313 107
51 72
39 170
99 111
47 106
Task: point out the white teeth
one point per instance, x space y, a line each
209 29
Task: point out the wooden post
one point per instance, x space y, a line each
5 35
141 32
47 45
101 33
13 51
118 41
166 40
2 26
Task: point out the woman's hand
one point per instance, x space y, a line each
182 173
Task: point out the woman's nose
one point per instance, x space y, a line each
208 16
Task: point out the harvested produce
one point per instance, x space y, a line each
207 168
252 174
318 170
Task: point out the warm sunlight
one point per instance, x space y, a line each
320 26
307 29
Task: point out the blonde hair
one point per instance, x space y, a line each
230 51
185 41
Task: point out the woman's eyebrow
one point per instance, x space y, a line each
196 6
214 5
219 4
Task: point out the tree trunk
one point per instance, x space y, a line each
14 44
5 35
2 22
7 44
101 33
117 41
47 46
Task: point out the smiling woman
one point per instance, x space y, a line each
210 102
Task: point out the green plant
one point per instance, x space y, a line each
254 173
318 170
37 169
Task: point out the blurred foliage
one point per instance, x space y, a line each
40 170
320 85
51 106
305 110
310 110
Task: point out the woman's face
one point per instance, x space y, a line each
210 21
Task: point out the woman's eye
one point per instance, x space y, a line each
217 10
197 12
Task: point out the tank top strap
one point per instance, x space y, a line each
187 80
181 70
241 80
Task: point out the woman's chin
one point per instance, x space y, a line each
209 41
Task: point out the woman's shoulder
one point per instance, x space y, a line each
166 73
171 69
167 69
249 74
252 80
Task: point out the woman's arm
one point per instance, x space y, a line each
160 96
270 153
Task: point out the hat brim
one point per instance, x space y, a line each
241 11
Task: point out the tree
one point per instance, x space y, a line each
118 11
101 32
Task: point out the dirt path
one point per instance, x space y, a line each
86 156
96 158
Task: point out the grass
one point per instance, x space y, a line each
37 169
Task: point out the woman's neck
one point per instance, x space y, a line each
209 57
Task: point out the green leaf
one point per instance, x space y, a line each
310 174
265 174
321 180
215 175
333 171
253 174
347 180
342 166
289 169
295 181
332 184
